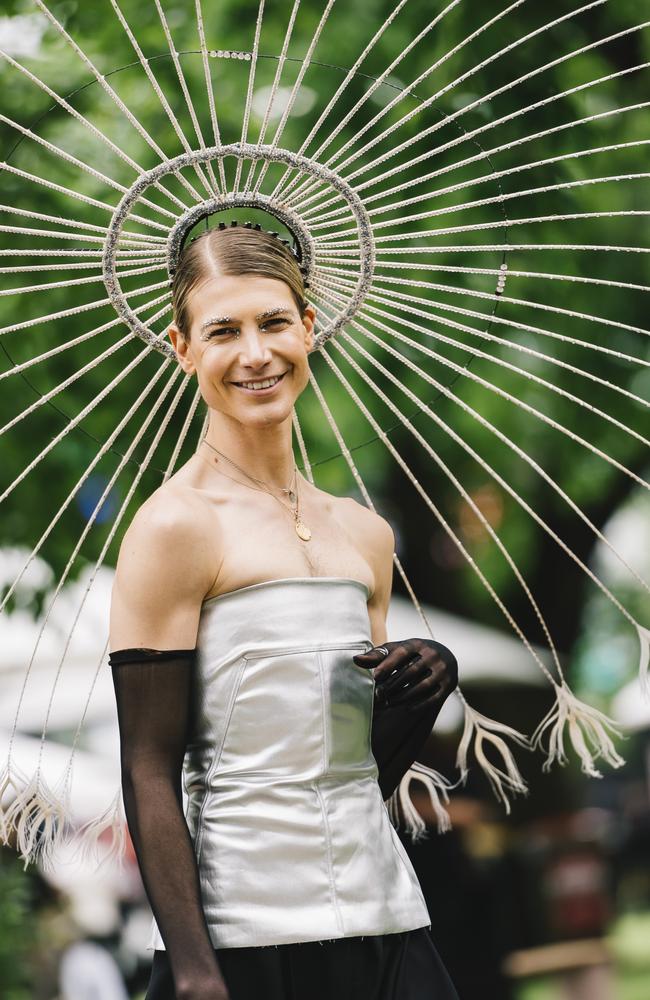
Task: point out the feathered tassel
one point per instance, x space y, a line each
10 781
401 807
40 820
38 816
479 731
587 728
89 835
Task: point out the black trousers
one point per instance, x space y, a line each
402 966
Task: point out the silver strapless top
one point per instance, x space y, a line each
292 837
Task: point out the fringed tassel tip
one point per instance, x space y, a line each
90 837
36 822
8 784
588 731
401 807
479 732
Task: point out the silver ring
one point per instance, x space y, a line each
382 649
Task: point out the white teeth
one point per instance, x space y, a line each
260 385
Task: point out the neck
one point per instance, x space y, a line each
265 453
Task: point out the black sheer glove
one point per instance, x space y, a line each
155 706
413 679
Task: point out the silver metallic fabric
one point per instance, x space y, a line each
292 837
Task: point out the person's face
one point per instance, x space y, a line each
246 328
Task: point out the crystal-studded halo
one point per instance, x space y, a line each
365 257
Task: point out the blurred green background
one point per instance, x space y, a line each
598 646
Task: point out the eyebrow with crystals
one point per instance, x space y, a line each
269 313
226 320
217 321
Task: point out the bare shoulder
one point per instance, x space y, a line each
168 560
174 521
375 531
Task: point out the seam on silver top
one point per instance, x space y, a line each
322 647
217 757
328 855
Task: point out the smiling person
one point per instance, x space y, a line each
247 617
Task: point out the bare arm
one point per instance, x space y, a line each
398 733
381 546
164 570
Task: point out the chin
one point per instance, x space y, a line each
277 414
274 411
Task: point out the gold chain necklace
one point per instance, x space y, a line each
302 530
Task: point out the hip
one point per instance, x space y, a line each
399 966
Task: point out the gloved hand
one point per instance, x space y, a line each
415 673
412 682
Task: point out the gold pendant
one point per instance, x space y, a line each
303 531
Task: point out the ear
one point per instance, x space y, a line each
182 349
308 320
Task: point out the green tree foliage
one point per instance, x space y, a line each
434 566
15 919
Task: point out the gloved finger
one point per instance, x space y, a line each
408 674
370 658
432 684
400 655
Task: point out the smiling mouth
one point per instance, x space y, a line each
260 385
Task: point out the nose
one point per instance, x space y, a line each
254 350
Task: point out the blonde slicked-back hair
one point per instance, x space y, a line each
234 251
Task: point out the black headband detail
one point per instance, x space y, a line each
296 249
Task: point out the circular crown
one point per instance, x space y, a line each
360 261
